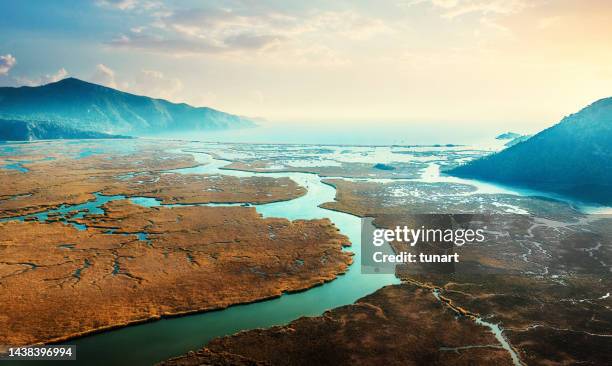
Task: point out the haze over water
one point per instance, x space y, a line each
353 134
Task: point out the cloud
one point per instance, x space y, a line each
147 82
245 41
42 80
104 75
205 99
245 30
347 24
161 44
457 8
155 84
127 5
6 63
118 4
59 75
197 31
318 55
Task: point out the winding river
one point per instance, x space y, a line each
148 343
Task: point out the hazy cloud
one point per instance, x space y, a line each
198 31
118 4
207 98
59 75
104 75
156 43
127 5
156 84
347 24
456 8
6 63
42 80
219 30
147 82
247 41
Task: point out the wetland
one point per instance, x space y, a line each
109 234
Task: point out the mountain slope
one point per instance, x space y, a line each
85 106
573 157
15 130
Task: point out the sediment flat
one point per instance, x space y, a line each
173 188
91 272
65 180
348 170
191 259
543 275
396 325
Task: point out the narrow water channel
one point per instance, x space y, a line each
148 343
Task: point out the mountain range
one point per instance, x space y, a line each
573 157
76 105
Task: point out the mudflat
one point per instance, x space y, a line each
396 325
192 259
80 271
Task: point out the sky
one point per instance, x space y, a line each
515 64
